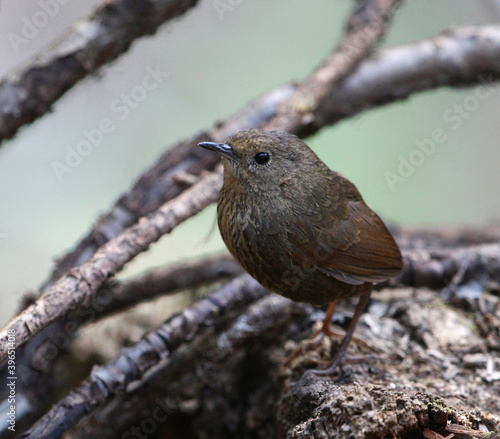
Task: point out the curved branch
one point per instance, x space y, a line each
104 36
81 283
168 280
113 378
459 57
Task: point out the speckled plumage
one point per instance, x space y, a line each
299 228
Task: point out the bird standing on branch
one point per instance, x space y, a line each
299 228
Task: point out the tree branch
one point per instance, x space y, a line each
365 29
134 361
459 57
81 283
168 280
30 93
437 267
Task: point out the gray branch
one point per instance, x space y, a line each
113 378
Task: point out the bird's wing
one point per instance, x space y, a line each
354 247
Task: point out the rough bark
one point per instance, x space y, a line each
166 281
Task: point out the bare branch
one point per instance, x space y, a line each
134 361
435 268
28 94
169 280
79 284
459 57
364 30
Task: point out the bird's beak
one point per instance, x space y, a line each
222 148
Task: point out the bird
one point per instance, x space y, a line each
299 228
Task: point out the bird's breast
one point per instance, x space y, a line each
254 232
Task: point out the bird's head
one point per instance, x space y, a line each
265 159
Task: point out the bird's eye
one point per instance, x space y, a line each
261 158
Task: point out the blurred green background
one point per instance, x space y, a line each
215 66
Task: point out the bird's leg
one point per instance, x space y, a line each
342 352
316 337
326 328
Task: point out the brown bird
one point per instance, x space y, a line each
299 228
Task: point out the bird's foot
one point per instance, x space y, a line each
338 362
314 340
317 337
